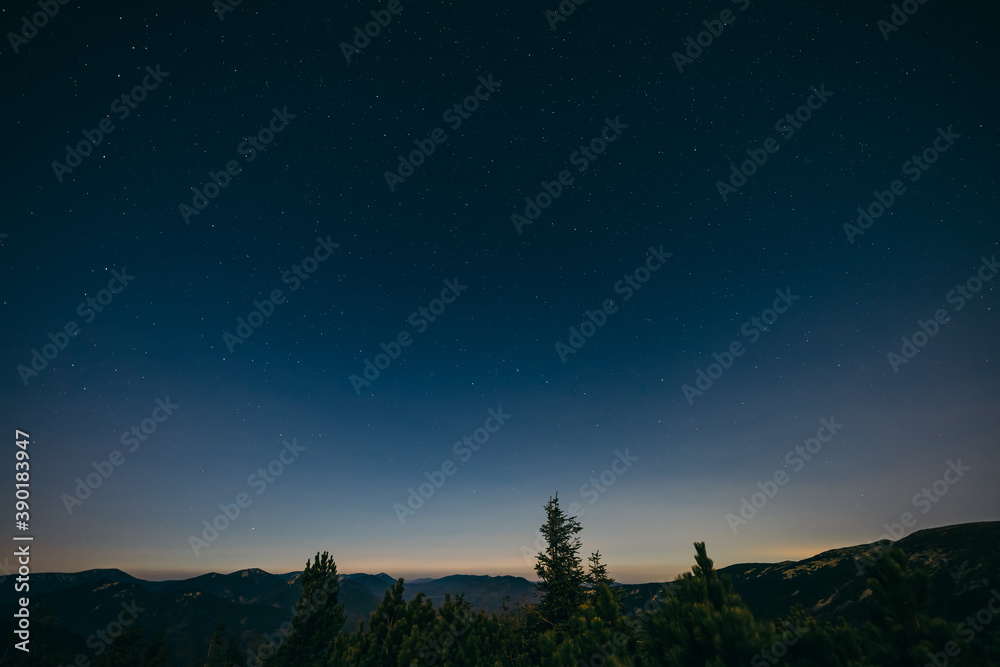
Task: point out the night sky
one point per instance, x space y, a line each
386 301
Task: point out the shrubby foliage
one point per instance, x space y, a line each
697 621
582 621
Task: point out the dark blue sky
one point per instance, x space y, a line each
594 122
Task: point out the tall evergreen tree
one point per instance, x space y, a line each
559 567
598 571
597 575
318 616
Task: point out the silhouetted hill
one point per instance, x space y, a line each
187 614
482 592
48 582
378 584
245 587
963 561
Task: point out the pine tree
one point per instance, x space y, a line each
460 637
807 642
517 624
597 634
395 635
318 616
559 567
597 575
901 631
704 623
598 572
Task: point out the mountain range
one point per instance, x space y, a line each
963 561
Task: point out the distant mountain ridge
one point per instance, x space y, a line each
963 560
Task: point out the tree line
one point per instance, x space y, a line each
580 620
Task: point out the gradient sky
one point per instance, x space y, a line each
495 345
